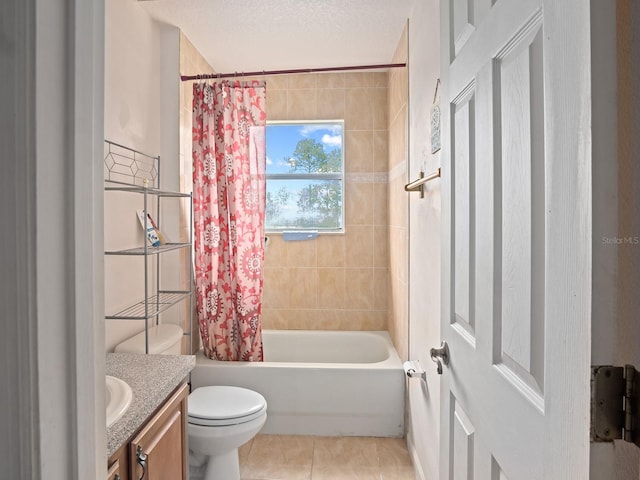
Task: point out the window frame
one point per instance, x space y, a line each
312 176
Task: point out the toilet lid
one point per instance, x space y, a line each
224 405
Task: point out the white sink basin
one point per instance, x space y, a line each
118 399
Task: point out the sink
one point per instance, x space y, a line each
118 398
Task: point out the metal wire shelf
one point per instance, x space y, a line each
167 247
155 305
147 190
127 166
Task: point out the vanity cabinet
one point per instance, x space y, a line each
158 451
114 472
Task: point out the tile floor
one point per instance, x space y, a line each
293 457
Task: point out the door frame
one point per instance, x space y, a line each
53 177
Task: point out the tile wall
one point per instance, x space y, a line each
336 281
399 201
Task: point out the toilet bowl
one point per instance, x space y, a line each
164 339
220 420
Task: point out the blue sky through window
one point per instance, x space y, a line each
282 139
284 210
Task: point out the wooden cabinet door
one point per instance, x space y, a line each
118 464
158 452
114 471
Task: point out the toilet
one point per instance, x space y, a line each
165 339
220 420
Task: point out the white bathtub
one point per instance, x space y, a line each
320 382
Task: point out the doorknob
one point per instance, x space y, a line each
440 356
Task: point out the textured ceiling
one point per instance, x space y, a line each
255 35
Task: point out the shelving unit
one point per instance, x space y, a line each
130 171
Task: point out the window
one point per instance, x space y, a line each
305 171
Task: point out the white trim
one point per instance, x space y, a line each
415 459
19 420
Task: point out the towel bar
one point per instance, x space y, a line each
418 185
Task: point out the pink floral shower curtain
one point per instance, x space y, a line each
229 205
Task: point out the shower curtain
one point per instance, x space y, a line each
229 122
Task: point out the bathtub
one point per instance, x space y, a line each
320 382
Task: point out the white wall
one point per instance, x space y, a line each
141 112
424 240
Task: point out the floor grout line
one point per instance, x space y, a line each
375 468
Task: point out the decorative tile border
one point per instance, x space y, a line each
375 177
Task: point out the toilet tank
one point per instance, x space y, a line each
165 339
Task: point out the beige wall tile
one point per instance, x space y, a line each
274 319
275 254
276 287
398 140
398 203
302 253
294 319
358 111
358 152
303 288
358 204
308 80
329 319
397 93
380 288
331 250
379 116
380 79
358 79
303 319
381 203
359 289
330 80
331 104
302 104
276 104
276 82
330 283
365 320
381 246
331 288
381 150
359 249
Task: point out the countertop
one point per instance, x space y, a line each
151 378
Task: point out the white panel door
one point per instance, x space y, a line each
516 286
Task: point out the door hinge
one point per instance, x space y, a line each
615 402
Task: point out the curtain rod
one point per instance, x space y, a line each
206 76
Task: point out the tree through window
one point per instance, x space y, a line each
305 170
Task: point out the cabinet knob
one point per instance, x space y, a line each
142 461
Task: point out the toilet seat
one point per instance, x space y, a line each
216 406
